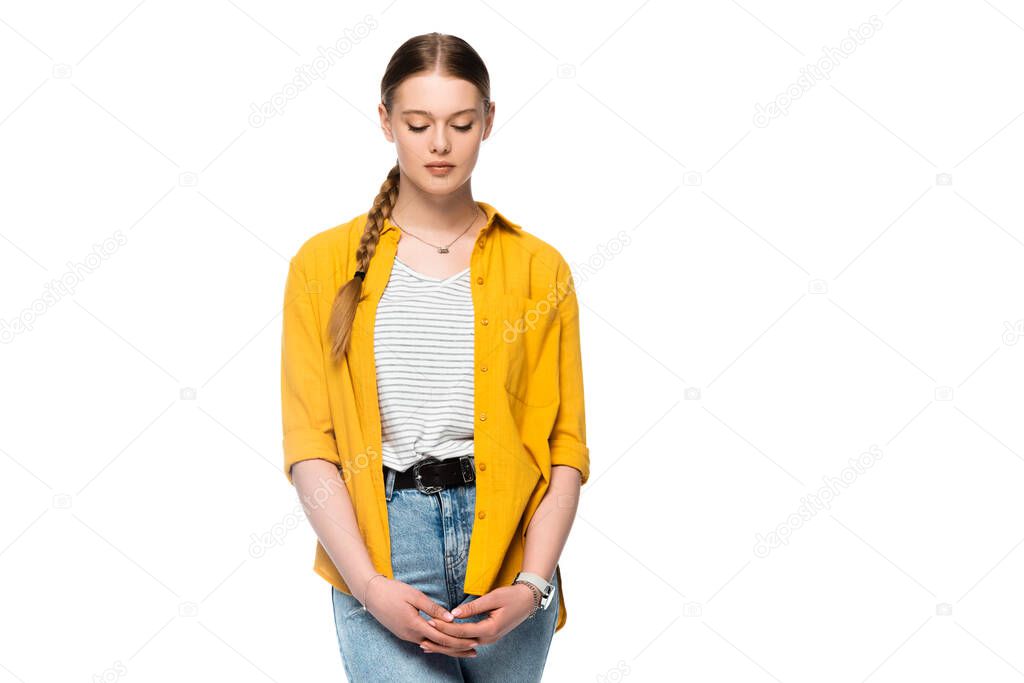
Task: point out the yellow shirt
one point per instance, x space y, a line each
528 387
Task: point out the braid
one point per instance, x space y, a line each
343 312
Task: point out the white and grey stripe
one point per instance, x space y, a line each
423 346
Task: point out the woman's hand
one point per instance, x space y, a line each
509 606
396 606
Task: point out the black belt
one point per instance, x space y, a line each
430 475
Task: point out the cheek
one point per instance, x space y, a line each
412 151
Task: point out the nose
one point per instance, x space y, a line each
440 141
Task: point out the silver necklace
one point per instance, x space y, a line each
442 249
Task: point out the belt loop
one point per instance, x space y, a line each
389 483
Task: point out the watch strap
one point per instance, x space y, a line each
545 588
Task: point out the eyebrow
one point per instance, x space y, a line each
427 113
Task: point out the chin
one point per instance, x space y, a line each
441 184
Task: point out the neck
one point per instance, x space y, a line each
432 215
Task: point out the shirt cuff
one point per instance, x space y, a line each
308 444
572 453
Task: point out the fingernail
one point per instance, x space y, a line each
457 611
432 622
452 614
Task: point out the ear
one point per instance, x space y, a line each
385 124
488 123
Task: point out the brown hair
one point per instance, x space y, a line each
449 56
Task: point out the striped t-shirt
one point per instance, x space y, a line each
423 346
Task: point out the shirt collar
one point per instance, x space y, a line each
494 217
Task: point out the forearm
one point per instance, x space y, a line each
328 506
552 521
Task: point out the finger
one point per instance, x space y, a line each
475 606
481 631
460 629
438 638
452 629
432 648
424 603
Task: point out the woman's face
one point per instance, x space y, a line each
437 119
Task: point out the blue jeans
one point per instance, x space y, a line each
429 547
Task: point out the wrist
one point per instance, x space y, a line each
535 596
365 584
545 588
528 589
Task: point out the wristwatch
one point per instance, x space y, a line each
546 588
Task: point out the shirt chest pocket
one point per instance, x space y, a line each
529 337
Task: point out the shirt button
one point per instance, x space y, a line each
481 514
482 465
483 416
481 243
484 321
483 368
479 280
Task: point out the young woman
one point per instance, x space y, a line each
432 395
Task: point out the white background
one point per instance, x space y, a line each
760 306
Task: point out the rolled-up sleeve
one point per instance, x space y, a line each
306 417
568 440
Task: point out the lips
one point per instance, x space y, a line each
439 165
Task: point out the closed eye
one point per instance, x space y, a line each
461 129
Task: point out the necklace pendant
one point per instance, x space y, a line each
442 250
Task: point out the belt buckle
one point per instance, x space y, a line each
468 472
419 477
